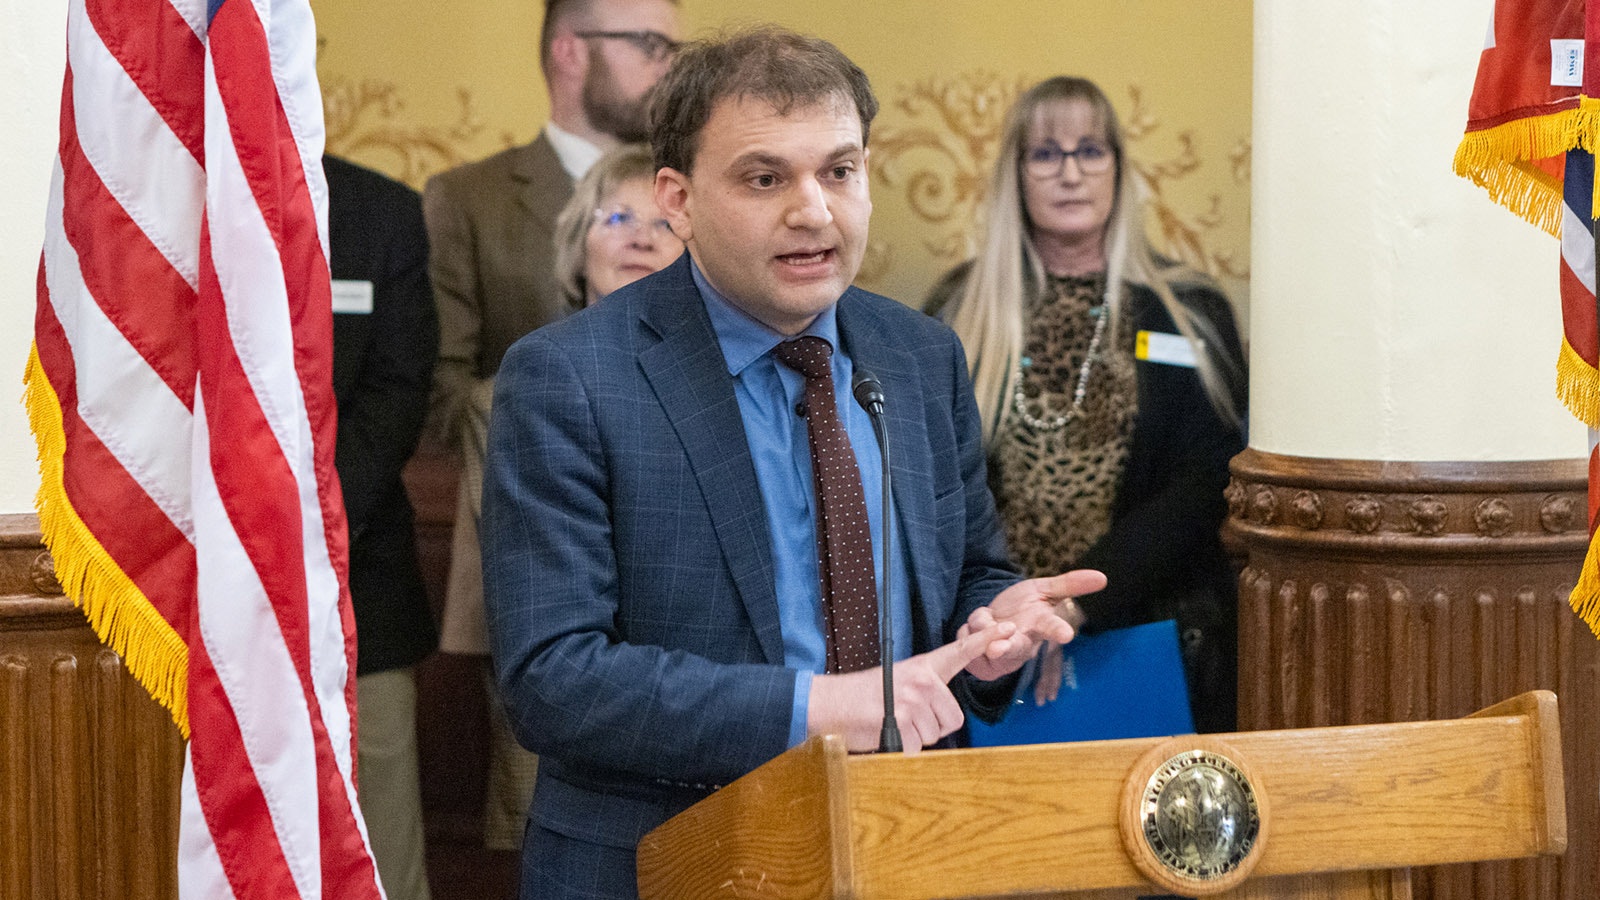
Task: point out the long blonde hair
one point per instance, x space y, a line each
988 312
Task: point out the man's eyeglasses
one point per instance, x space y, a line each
1047 160
622 219
653 44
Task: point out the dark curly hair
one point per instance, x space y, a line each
769 63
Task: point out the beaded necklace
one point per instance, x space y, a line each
1057 421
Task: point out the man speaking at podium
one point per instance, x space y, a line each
682 522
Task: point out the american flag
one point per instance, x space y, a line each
1533 124
180 393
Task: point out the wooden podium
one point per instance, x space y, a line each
1337 813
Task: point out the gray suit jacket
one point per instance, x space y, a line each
490 227
628 574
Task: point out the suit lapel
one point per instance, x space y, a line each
689 376
872 346
537 170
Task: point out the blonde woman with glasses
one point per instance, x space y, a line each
1112 387
611 232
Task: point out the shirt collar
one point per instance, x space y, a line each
577 155
744 339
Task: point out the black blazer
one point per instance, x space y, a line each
382 368
1163 554
1164 541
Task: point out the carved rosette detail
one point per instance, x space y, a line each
1429 515
1493 517
1362 514
1264 507
1234 494
1557 513
1307 509
43 575
1292 501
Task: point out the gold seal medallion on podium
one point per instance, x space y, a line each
1199 815
1192 819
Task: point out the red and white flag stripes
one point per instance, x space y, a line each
180 392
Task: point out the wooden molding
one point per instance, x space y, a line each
29 592
1378 591
90 768
1420 509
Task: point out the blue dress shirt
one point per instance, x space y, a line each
768 393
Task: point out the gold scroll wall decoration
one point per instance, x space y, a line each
941 154
935 155
1179 234
364 123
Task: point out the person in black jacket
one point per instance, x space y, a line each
1112 388
385 340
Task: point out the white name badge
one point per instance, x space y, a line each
352 296
1167 349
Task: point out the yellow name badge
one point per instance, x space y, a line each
1167 349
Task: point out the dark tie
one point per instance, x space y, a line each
844 539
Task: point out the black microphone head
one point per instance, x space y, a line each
867 390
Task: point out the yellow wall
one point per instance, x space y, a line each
415 87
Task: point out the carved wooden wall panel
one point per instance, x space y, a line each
89 764
1391 591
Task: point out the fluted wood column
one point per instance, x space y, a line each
89 764
1402 591
1409 544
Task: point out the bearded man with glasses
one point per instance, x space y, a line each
492 264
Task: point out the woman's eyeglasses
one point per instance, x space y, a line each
623 220
1047 160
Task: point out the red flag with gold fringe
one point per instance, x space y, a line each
1533 125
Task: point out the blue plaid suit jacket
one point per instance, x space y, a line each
628 570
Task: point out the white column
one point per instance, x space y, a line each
1396 313
32 56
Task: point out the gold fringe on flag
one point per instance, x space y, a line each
116 609
1578 385
1501 161
1585 598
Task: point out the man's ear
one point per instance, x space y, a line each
672 197
569 54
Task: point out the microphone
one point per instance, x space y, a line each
869 393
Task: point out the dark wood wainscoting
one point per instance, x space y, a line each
89 764
1402 591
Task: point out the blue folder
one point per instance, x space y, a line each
1124 683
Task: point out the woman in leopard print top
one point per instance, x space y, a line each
1111 384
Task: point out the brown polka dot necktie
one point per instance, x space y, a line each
844 539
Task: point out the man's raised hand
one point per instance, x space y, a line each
1034 608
